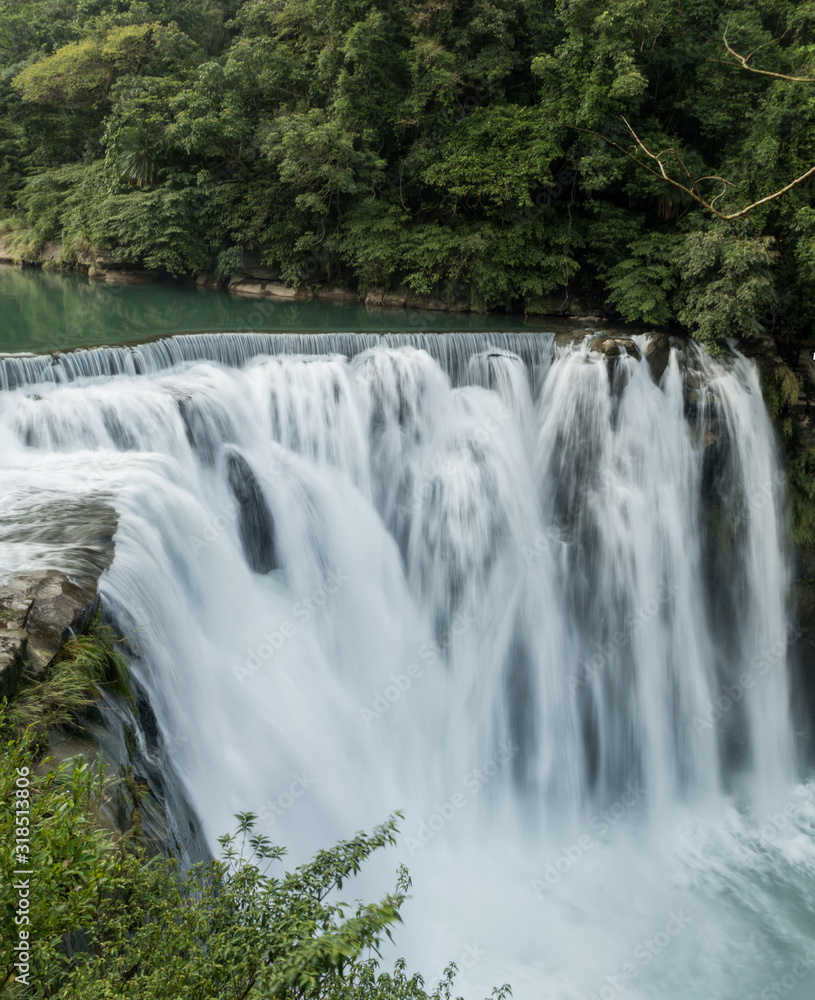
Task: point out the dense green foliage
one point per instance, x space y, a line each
485 149
103 918
106 921
85 663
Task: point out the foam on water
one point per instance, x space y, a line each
527 595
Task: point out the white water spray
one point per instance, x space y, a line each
527 595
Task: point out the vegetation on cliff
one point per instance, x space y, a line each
103 920
101 915
496 151
86 662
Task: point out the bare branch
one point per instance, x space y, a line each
744 62
694 191
725 183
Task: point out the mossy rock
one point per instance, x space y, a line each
615 347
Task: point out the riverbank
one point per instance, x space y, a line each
255 281
47 309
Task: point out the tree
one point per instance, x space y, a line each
104 920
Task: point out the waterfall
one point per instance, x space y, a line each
520 590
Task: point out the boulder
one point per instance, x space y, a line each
568 338
12 656
277 290
333 293
612 346
240 285
374 296
246 287
435 304
122 276
37 612
657 354
206 279
396 299
51 253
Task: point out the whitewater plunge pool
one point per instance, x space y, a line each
528 594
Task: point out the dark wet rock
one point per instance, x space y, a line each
206 279
397 298
279 290
615 347
13 643
37 612
121 276
263 273
556 304
571 338
256 523
434 303
657 354
333 293
589 305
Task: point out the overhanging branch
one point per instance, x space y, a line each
694 191
744 61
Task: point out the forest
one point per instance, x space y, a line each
623 557
653 156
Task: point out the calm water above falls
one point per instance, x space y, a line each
42 311
536 603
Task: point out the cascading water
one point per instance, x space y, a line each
523 593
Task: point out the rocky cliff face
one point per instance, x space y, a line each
788 384
38 611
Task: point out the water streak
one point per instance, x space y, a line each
524 593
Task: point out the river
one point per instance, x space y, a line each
521 591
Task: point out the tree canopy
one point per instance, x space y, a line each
657 152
